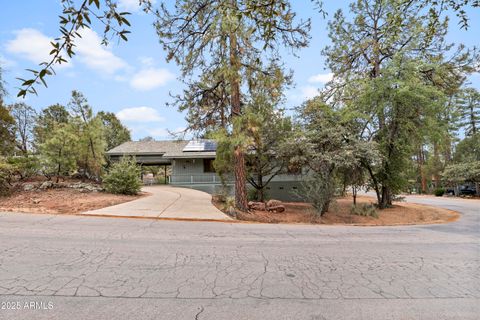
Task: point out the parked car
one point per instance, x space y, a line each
467 190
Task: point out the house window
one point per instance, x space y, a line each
208 165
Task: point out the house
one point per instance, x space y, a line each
191 165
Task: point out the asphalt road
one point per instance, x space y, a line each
70 267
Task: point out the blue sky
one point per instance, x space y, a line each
132 78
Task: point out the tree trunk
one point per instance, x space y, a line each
354 194
241 201
58 172
386 200
375 184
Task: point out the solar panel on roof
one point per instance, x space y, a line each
200 145
210 145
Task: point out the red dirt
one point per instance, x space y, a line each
62 200
339 213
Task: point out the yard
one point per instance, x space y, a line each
401 214
67 197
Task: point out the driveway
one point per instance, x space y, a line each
167 202
103 268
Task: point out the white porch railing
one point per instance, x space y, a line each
215 179
195 179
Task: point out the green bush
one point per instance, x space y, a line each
123 177
439 192
365 210
229 206
25 167
7 174
319 191
254 194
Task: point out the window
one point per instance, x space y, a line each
208 165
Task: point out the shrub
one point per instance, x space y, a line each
439 192
365 210
229 206
161 180
7 173
319 191
25 167
254 195
123 177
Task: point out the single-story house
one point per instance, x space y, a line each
191 164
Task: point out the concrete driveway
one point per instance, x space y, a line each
167 202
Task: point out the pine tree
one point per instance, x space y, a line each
228 39
469 103
58 153
115 132
47 120
381 36
91 144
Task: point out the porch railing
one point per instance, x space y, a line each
195 179
215 179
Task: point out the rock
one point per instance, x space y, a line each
36 201
275 206
253 205
28 187
273 203
46 185
85 187
280 208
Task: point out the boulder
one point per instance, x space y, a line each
85 187
46 185
280 208
275 206
28 187
273 203
253 205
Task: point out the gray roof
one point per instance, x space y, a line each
149 147
166 148
190 154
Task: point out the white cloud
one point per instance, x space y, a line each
321 78
142 130
146 61
6 63
308 92
32 45
151 78
94 55
157 132
131 5
139 114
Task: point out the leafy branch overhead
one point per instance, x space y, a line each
72 21
115 23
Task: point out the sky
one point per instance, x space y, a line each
133 79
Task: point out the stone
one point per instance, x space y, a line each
273 203
275 206
280 208
253 205
85 187
46 185
28 187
